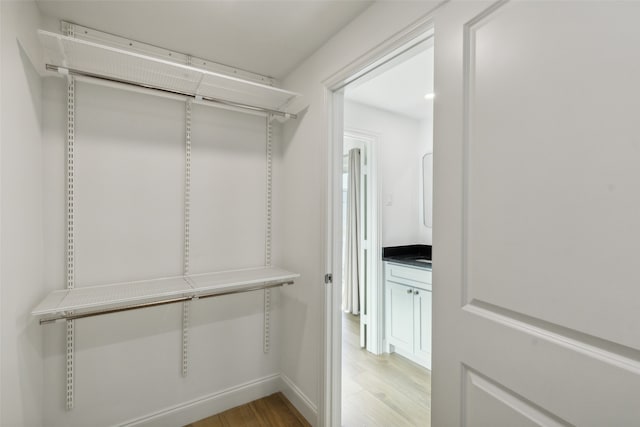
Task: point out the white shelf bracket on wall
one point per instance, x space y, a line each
187 214
70 250
267 239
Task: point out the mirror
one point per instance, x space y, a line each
427 189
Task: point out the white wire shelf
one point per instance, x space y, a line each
231 280
86 58
105 299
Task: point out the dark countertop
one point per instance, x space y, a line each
413 255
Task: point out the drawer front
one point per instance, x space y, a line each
407 275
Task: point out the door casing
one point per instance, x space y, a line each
371 268
330 413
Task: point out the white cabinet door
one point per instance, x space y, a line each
400 303
536 214
422 326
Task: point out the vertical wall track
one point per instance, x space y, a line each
70 250
267 252
187 210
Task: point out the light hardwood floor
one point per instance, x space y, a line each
270 411
381 391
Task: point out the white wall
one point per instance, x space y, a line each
400 147
305 167
21 228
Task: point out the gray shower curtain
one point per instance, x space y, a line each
351 278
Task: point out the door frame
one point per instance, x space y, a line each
330 410
372 310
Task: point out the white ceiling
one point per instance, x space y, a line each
266 37
399 87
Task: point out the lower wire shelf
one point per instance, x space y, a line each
106 299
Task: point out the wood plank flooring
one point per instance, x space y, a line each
270 411
377 391
381 391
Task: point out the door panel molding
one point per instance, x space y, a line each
574 385
488 403
468 74
536 230
606 351
579 251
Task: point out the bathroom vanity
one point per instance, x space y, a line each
408 287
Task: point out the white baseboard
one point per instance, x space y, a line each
214 403
302 403
424 362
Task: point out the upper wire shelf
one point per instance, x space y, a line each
69 55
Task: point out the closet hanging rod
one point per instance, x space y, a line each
72 316
74 72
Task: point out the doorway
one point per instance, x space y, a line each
387 145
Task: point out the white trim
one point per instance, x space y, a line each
231 397
2 319
331 403
300 400
396 44
375 299
207 405
331 393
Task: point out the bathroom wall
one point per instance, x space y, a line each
21 232
400 146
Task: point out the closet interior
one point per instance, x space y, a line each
216 259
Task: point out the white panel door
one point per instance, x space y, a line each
537 214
